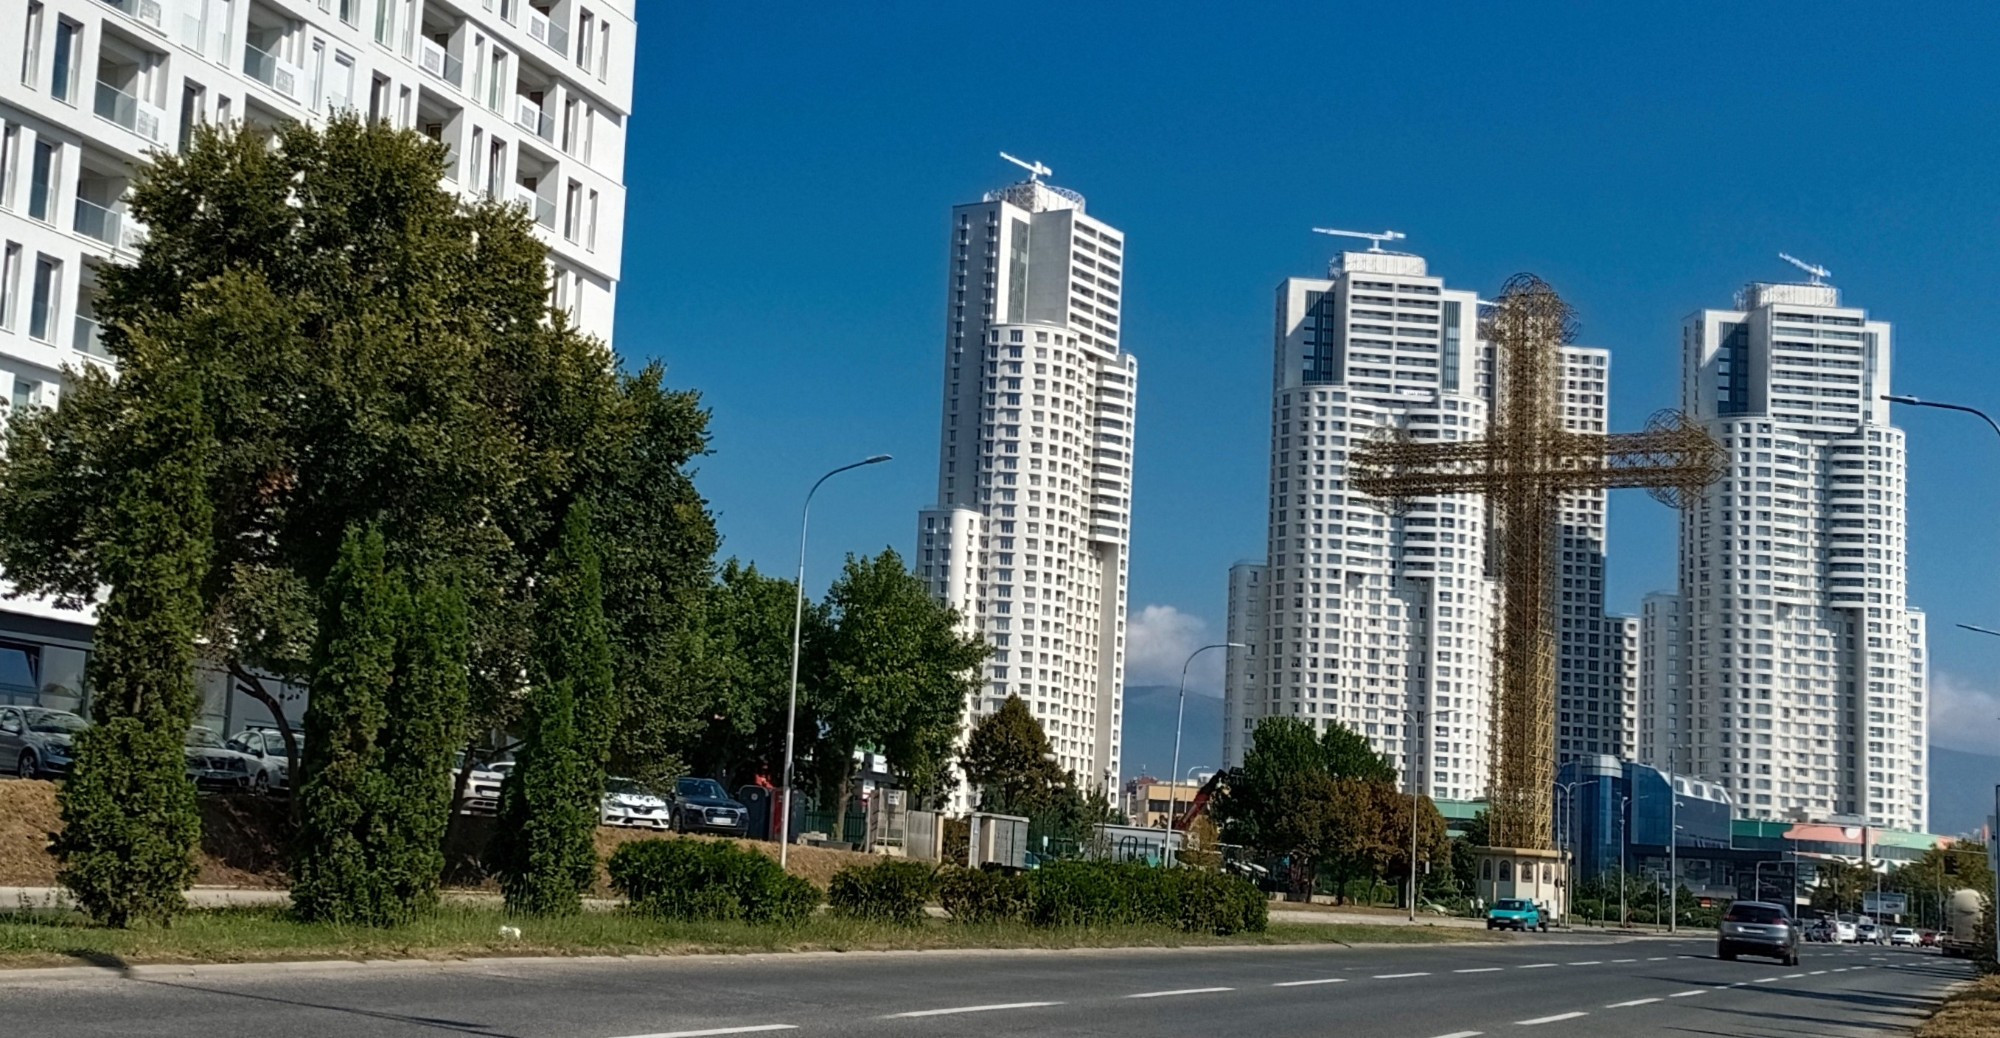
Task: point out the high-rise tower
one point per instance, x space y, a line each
1028 539
1801 680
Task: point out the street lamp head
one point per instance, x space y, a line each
1234 645
1900 398
875 458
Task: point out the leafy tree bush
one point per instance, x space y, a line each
888 891
550 803
1098 893
130 825
982 895
426 724
708 879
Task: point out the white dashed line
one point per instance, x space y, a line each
1179 991
1589 962
1657 958
1482 969
1550 1019
969 1009
1793 976
1685 994
1462 1034
1536 966
1307 983
1817 973
1398 976
753 1029
1768 980
1615 961
1634 1002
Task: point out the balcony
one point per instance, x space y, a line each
270 70
129 112
437 61
529 116
98 222
89 337
147 11
547 33
544 209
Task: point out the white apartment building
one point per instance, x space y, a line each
1383 618
531 97
1028 539
1660 673
1801 683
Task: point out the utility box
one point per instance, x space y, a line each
999 840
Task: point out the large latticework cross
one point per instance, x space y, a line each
1523 468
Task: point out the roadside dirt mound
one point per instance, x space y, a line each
243 842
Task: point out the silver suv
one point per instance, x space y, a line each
1758 928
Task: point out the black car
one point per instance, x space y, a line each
701 806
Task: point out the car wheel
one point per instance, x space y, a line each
260 785
28 767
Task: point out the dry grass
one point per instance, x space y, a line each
1971 1013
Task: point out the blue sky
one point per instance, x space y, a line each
792 166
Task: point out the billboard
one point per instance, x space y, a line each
1885 903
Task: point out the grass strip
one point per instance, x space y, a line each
1971 1012
262 934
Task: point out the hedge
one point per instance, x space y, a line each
702 879
983 895
889 891
1086 893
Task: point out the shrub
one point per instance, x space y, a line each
889 891
1081 893
982 896
707 880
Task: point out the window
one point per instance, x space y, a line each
572 210
603 50
10 151
586 23
42 309
477 152
41 181
191 92
31 54
69 47
590 223
316 76
222 109
496 167
569 127
349 9
589 130
406 115
378 100
10 284
496 78
340 91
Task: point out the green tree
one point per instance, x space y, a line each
130 826
346 796
1347 755
743 649
1323 803
896 674
1840 886
550 803
426 724
1009 760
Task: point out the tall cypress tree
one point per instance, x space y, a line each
426 723
549 806
130 825
336 872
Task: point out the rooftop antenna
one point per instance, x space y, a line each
1813 270
1036 171
1374 240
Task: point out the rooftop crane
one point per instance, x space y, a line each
1374 240
1813 270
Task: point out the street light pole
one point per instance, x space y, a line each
1624 812
1180 715
798 620
1673 846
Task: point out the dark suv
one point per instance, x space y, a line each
1758 928
701 806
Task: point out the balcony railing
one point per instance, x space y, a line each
128 111
547 33
438 61
544 209
530 117
99 222
147 11
89 337
267 68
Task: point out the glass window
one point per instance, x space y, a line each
41 181
41 316
20 664
31 54
69 41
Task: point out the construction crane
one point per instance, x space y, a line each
1813 270
1374 240
1036 171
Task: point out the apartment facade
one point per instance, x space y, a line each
1800 683
531 99
1029 537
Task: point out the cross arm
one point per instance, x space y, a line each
1676 455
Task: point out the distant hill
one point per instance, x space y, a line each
1149 731
1961 789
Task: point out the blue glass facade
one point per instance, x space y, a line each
1603 803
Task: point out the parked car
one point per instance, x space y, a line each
1819 930
629 805
1515 914
701 806
1867 933
1927 938
212 765
481 795
1757 928
35 741
268 746
1903 937
1846 932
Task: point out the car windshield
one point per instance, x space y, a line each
1755 914
626 787
203 738
54 722
1511 906
700 787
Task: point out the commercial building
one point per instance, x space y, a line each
1028 538
530 97
1790 669
1148 802
1382 618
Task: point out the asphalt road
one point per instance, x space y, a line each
1537 987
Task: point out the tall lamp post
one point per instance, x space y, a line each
1624 838
798 620
1180 716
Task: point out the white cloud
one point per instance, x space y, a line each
1158 640
1965 714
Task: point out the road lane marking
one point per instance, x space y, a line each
1589 962
1550 1019
1179 991
1616 961
753 1029
1818 973
1768 980
1398 976
1462 1034
1536 966
1482 969
1304 983
1634 1002
1793 976
1684 994
969 1009
1657 958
